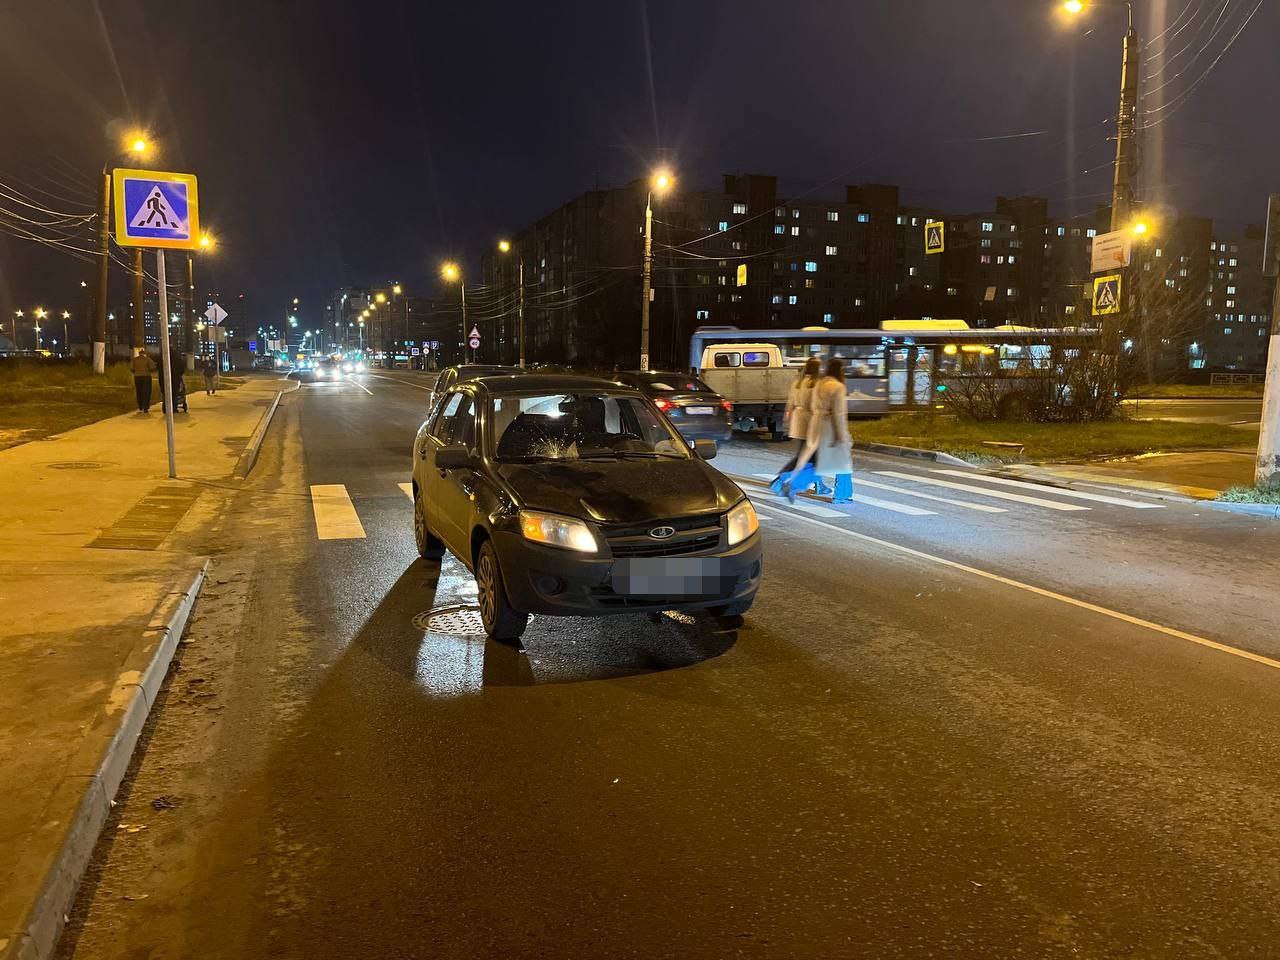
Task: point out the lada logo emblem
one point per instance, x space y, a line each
662 533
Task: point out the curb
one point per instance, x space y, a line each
913 453
1271 511
38 935
250 455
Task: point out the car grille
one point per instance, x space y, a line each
693 535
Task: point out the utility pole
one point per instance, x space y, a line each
520 313
1126 129
190 338
1268 468
646 283
98 321
139 319
462 285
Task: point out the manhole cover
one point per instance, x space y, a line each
458 621
79 465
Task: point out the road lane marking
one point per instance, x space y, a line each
819 511
1077 494
764 476
416 386
336 517
982 491
1040 591
906 508
361 386
408 489
980 507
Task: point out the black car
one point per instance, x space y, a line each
463 372
692 407
573 496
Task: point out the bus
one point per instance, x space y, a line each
898 365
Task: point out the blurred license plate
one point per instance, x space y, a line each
668 577
699 411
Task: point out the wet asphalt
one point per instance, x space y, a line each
890 758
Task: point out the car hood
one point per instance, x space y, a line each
621 491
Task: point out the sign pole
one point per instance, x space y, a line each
1268 464
165 366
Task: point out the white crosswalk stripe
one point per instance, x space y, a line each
335 514
816 511
1059 491
984 492
904 508
902 491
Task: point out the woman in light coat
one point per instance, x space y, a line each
797 417
828 437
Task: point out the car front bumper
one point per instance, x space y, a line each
561 583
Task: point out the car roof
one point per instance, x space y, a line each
474 369
659 373
524 382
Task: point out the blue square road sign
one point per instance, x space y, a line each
156 209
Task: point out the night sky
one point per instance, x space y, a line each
359 142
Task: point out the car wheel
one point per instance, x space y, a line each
430 547
501 620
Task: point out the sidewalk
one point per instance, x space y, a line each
91 577
1201 475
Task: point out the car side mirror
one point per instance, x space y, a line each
706 449
453 457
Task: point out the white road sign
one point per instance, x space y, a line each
215 315
1111 251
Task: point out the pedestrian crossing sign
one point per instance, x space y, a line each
934 236
156 209
1106 295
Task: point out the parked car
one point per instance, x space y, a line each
693 408
574 496
463 372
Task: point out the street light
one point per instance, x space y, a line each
660 183
452 273
1140 228
504 246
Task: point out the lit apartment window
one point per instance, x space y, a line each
737 244
1226 331
985 258
811 266
779 229
1159 252
864 218
1213 246
793 300
953 292
1091 232
1062 231
828 318
1230 304
833 216
915 221
1012 258
724 225
703 314
1012 293
1000 258
779 211
1233 262
1231 291
777 298
831 250
985 241
987 226
795 231
1070 309
739 208
902 221
795 213
912 271
810 283
857 301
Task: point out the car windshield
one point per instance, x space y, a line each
673 383
580 426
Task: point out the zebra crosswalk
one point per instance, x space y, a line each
928 494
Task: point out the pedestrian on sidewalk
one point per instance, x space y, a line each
142 367
210 371
797 419
178 364
828 438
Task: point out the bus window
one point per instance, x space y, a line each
729 359
757 358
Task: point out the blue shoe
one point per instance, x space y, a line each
788 492
844 489
821 489
779 482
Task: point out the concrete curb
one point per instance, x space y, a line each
250 456
913 453
38 935
1269 510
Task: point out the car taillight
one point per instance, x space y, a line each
662 404
728 406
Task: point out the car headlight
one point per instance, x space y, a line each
347 368
557 531
361 368
743 522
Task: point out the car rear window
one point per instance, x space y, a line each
728 360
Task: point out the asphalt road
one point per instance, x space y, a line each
954 732
1242 412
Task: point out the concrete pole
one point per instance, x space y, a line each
1268 470
521 314
190 323
646 284
139 319
1126 131
98 322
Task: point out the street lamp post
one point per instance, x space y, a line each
504 246
136 146
452 272
66 342
1126 119
660 183
41 313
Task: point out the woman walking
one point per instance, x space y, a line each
209 368
797 417
828 437
142 367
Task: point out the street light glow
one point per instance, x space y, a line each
1073 6
66 314
504 246
1141 228
451 272
396 290
663 180
208 242
381 297
139 144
